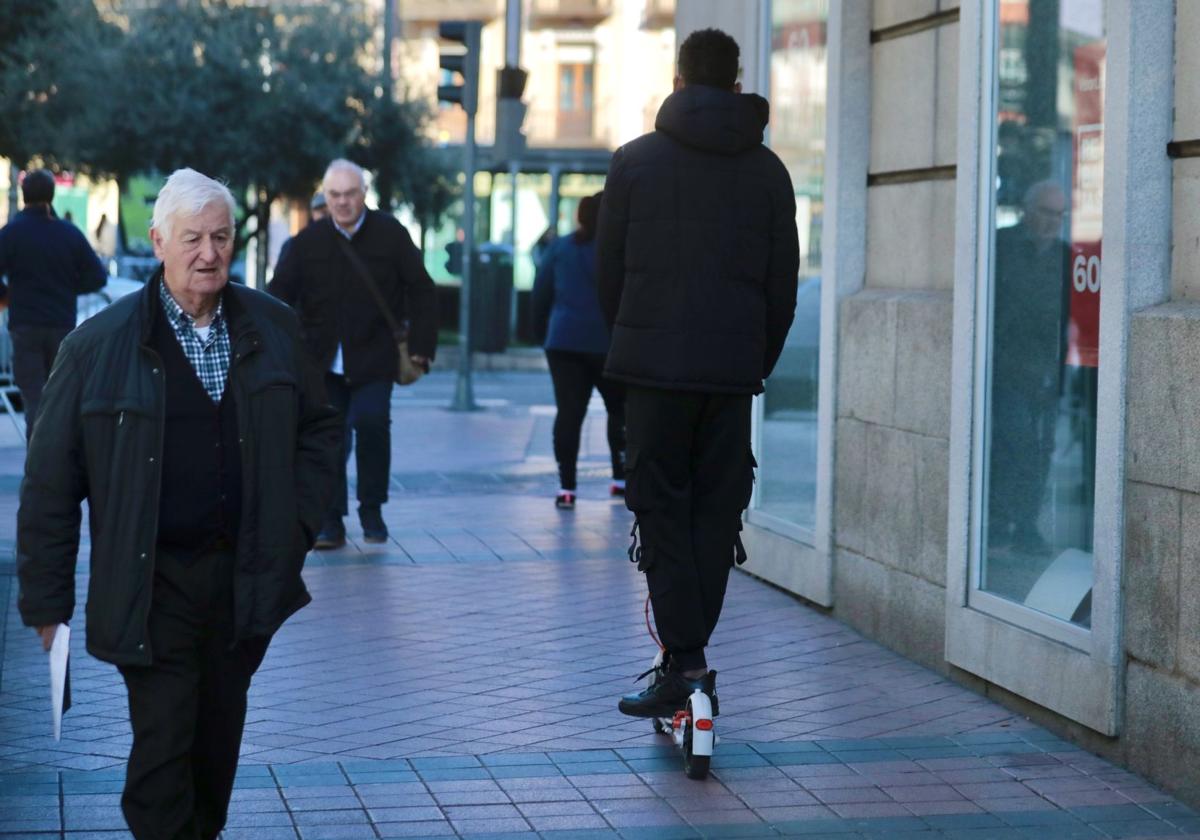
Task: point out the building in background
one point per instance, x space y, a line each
980 445
598 71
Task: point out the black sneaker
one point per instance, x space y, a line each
332 535
565 501
668 694
374 531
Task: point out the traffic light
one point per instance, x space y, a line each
454 257
465 63
509 144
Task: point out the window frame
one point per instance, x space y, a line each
1070 670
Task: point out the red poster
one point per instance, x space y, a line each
1087 187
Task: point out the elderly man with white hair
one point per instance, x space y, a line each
340 273
191 420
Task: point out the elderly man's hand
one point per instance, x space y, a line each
47 634
421 362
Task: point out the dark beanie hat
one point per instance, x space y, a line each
38 187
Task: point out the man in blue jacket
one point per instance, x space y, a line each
48 262
697 262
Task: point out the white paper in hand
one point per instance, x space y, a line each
60 678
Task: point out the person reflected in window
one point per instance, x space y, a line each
568 322
1029 330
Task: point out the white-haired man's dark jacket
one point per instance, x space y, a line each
100 437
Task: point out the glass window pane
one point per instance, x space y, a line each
1039 469
566 88
788 440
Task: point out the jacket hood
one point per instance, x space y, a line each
714 120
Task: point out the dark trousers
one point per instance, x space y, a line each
188 708
1022 446
366 411
34 351
689 475
574 376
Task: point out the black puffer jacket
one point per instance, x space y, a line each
697 254
315 276
100 436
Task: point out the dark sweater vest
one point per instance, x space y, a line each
200 503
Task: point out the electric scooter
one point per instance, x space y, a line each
691 728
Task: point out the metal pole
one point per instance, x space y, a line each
512 34
389 35
514 168
464 392
512 58
555 187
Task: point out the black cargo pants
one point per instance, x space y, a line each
689 473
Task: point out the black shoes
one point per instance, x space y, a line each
332 534
565 501
668 693
374 531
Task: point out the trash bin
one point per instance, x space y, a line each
491 297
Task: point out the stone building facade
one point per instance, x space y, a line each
981 446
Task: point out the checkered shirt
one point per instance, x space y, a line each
209 358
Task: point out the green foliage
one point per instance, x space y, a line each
259 95
54 56
431 185
389 143
246 93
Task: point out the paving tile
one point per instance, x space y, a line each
660 832
869 809
336 831
567 822
471 797
490 826
957 806
415 829
484 702
832 796
244 819
1110 813
310 819
1135 828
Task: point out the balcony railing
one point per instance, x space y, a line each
568 12
438 10
658 14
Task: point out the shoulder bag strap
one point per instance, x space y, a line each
364 274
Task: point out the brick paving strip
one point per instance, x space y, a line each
461 681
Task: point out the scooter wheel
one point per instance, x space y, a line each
696 766
659 728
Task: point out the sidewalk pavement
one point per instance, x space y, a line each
462 679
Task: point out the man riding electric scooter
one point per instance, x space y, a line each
697 260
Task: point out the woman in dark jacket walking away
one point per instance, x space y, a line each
568 321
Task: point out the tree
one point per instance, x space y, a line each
51 54
259 95
261 98
431 188
390 143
